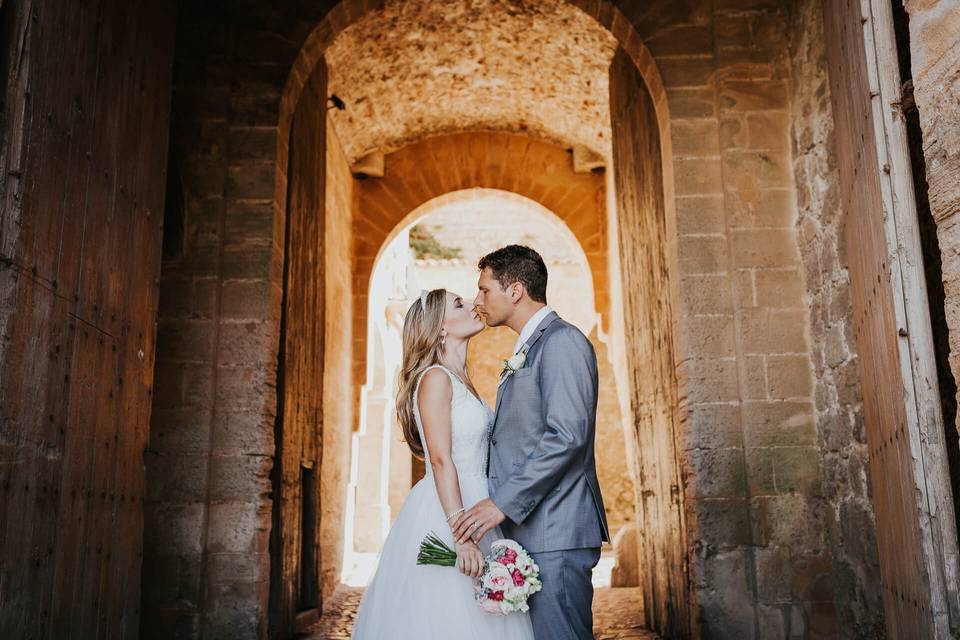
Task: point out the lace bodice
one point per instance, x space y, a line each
470 419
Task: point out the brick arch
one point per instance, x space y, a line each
435 167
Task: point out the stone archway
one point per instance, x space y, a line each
542 171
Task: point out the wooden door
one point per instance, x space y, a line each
916 533
84 128
294 592
648 328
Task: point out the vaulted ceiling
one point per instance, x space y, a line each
417 68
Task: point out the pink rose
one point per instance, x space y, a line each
510 555
517 577
496 578
490 606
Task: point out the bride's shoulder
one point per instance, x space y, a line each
435 381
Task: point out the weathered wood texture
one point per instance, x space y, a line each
901 409
84 126
650 349
300 369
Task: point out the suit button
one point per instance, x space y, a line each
493 443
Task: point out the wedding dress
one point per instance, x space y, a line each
407 601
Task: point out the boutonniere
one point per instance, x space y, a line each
513 364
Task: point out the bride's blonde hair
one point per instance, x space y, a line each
421 349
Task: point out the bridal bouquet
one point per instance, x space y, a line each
510 576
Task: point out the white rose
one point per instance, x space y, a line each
516 361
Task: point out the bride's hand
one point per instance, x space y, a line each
469 559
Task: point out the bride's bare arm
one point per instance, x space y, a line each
436 393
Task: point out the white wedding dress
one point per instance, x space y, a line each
407 601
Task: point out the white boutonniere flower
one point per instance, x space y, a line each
513 364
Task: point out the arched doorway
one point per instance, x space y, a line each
401 171
438 245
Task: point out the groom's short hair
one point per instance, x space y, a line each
517 263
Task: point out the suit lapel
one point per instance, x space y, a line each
527 346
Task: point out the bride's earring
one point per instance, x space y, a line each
443 337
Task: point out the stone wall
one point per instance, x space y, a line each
757 538
837 403
935 66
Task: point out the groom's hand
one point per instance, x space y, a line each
477 521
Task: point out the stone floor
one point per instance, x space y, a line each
616 615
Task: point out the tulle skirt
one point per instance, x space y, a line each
407 601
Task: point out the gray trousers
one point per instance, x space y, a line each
563 608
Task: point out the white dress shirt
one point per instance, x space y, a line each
528 328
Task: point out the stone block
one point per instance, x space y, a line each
238 567
691 103
761 477
744 289
245 300
709 336
681 40
253 143
716 473
176 430
694 137
173 528
768 131
812 578
250 180
247 262
702 255
727 608
712 426
700 215
747 170
235 527
243 342
185 340
774 574
238 431
686 71
753 95
754 377
178 478
760 208
789 376
797 470
779 287
237 613
248 222
772 330
712 380
242 386
705 294
721 523
792 521
242 477
697 176
779 424
733 132
764 248
197 385
626 571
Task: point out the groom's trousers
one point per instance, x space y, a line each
563 608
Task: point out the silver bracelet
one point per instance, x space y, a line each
455 514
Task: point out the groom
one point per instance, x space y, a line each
542 472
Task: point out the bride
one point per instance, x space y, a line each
445 422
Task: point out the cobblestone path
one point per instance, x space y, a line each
616 615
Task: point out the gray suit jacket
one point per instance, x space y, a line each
541 464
